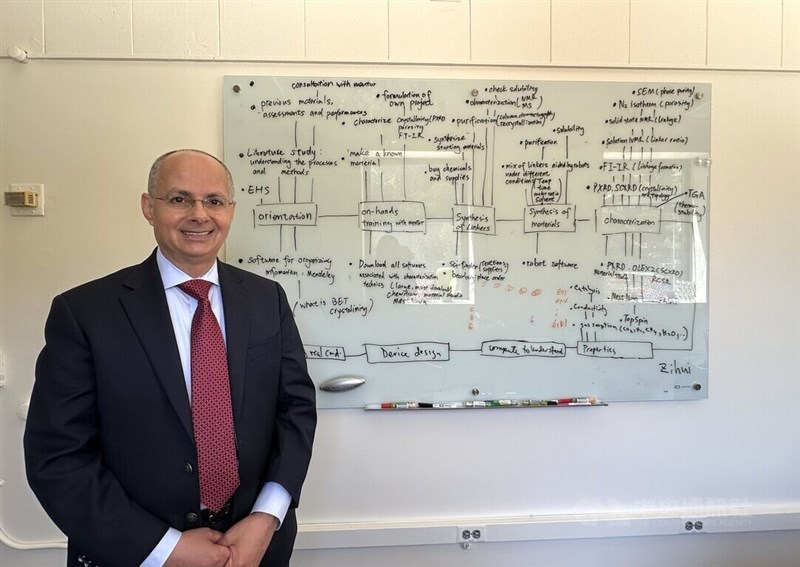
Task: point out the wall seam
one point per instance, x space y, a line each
44 34
470 30
219 29
130 19
707 18
630 30
305 28
388 32
783 29
551 33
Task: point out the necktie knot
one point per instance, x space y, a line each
196 288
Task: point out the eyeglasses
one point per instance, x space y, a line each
184 203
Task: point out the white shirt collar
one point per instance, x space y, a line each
172 276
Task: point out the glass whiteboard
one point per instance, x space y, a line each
457 240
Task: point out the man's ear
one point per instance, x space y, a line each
147 207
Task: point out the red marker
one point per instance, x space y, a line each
576 401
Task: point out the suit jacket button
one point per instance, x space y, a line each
192 517
187 467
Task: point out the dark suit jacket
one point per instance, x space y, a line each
109 448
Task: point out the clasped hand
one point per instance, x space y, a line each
243 545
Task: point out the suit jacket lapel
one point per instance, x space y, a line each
146 306
236 303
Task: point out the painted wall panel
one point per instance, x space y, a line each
668 32
262 30
21 25
88 28
592 32
510 31
791 34
428 32
744 34
180 29
355 30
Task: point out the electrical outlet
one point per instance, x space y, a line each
37 211
471 534
693 525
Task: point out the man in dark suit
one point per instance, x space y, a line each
109 444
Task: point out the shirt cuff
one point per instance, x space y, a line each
274 500
162 551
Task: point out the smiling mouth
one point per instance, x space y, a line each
196 234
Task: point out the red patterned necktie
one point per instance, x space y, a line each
212 414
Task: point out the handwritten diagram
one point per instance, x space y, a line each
445 239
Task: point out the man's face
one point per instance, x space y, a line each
189 238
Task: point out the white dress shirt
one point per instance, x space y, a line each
273 499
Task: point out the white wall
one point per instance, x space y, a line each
715 34
87 125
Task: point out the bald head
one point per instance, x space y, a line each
154 178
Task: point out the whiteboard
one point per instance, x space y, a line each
451 240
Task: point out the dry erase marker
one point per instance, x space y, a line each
447 405
394 405
587 401
503 403
574 401
476 404
568 402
